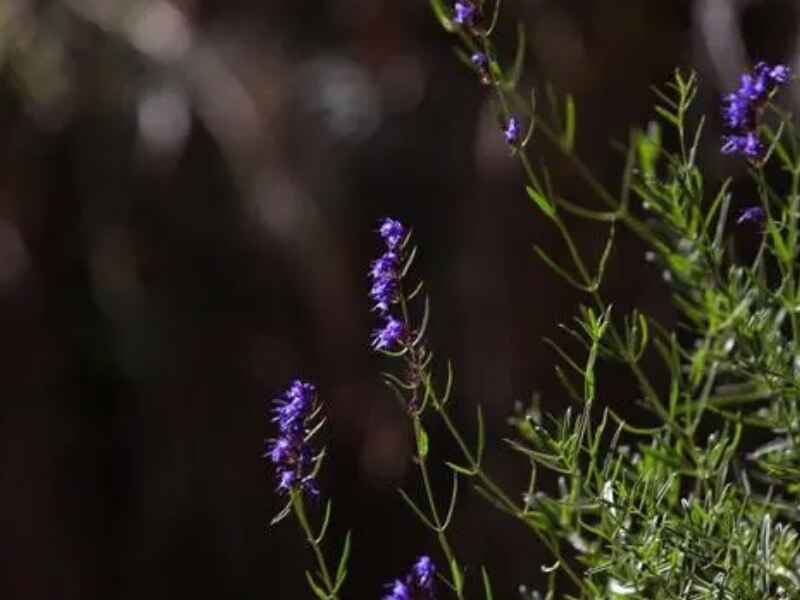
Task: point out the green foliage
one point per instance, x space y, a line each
703 500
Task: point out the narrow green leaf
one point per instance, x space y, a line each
568 385
668 116
408 263
569 124
318 591
415 292
559 271
495 17
664 98
487 584
458 578
519 59
448 387
601 268
451 508
325 522
341 571
460 469
542 202
282 514
423 325
564 356
442 14
416 509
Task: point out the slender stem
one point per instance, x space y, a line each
414 360
508 505
792 243
300 511
452 561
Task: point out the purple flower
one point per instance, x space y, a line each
756 86
393 233
738 112
388 335
423 572
479 60
742 109
385 273
753 214
465 14
385 280
779 74
512 131
399 591
772 76
384 292
289 452
748 144
385 266
417 585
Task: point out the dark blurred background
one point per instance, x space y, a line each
188 198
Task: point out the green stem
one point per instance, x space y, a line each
437 521
508 505
792 243
414 361
300 511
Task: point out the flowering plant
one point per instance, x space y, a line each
702 499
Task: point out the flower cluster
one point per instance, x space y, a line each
417 585
290 452
385 275
754 214
465 13
513 131
742 109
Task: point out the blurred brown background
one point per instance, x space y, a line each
188 197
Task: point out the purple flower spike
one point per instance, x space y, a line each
417 585
754 214
289 452
465 14
389 335
742 109
512 131
386 285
